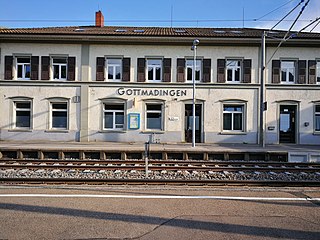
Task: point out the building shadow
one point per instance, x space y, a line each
178 222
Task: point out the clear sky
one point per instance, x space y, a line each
164 13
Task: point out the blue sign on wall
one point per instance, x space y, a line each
134 121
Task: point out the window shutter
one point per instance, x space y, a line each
302 67
206 70
8 62
247 63
34 68
71 68
181 65
100 69
167 70
312 71
141 70
276 71
221 65
45 68
126 69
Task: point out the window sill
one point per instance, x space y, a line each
56 131
112 131
20 130
153 132
233 133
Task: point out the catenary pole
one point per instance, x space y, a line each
263 105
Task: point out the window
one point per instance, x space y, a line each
154 116
22 114
59 68
317 118
233 70
318 72
59 115
233 117
154 68
113 115
114 68
288 71
23 68
190 72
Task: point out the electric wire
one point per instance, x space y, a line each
257 19
152 20
315 26
287 14
284 39
317 19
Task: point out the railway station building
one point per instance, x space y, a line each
135 84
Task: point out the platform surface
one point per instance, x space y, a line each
118 146
158 212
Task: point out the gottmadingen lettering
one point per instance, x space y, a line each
152 92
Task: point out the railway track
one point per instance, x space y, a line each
159 172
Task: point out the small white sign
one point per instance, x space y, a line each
173 118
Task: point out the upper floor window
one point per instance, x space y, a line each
318 72
59 68
190 69
154 69
288 69
59 115
114 68
154 116
22 114
233 69
317 118
23 68
113 116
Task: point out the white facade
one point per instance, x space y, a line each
85 109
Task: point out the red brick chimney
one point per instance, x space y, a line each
99 19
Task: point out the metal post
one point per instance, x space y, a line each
262 91
194 48
146 157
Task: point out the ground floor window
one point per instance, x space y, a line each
59 115
113 116
317 118
233 117
22 114
154 116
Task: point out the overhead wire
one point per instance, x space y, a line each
314 21
315 26
274 10
284 39
287 14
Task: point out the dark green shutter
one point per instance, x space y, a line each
167 70
100 69
181 65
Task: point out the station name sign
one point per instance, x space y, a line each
151 92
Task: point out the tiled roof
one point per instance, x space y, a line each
151 32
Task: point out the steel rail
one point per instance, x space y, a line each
160 162
73 181
162 168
